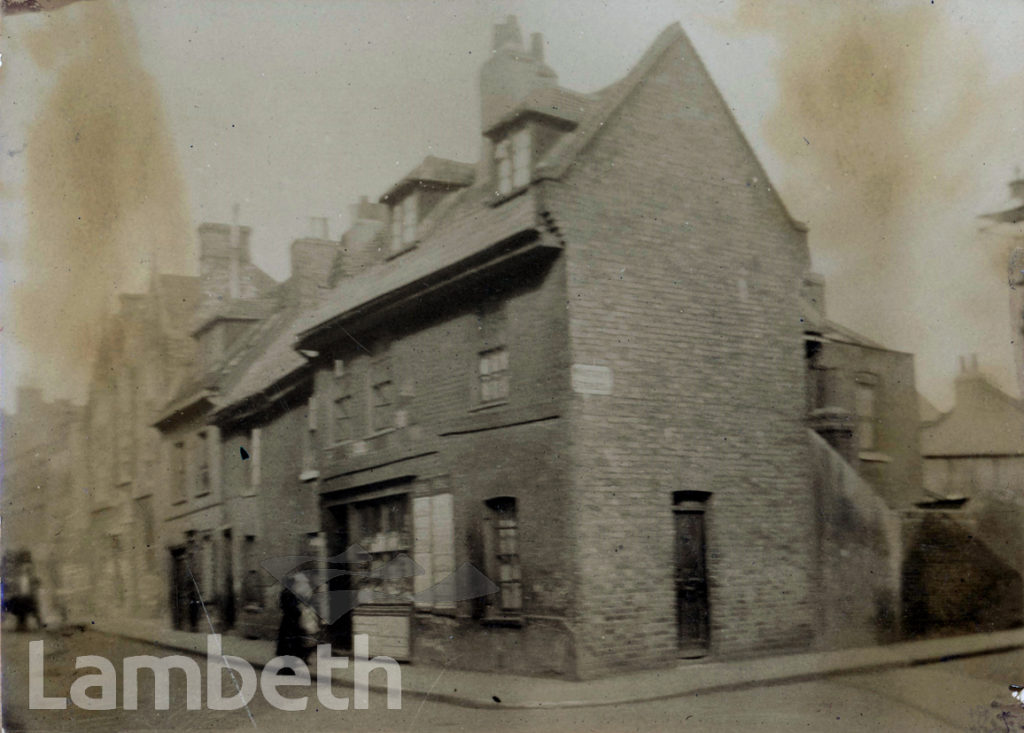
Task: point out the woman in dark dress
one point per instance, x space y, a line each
293 639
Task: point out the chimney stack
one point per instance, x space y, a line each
506 78
537 47
223 248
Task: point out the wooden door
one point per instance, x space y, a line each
691 583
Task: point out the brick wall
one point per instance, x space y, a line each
894 464
860 555
513 449
683 279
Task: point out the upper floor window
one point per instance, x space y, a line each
255 458
512 161
866 407
403 223
178 471
203 464
382 392
492 363
341 405
309 462
494 375
125 430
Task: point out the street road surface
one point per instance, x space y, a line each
957 695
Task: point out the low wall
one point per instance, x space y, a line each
859 555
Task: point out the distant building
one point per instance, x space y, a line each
976 450
974 476
237 303
144 350
1010 223
45 499
861 398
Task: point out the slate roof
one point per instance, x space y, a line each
557 102
466 223
817 324
985 421
273 360
471 228
435 170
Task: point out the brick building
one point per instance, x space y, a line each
1009 224
578 368
966 543
46 498
237 303
861 397
144 350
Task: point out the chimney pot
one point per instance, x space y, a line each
507 34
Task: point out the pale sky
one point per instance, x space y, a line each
887 127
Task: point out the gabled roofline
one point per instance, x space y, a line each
616 95
180 409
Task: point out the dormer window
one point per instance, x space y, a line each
512 161
403 223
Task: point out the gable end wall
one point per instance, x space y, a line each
684 274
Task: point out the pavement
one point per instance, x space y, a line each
492 690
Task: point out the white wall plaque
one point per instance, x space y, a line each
591 379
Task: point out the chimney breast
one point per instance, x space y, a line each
511 72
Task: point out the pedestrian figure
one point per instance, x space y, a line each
22 597
296 636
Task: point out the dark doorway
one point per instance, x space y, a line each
180 595
228 619
339 586
691 574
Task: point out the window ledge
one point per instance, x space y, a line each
514 622
404 250
310 475
500 198
488 406
435 611
869 456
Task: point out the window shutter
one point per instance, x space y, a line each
490 552
443 545
311 416
421 550
255 457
